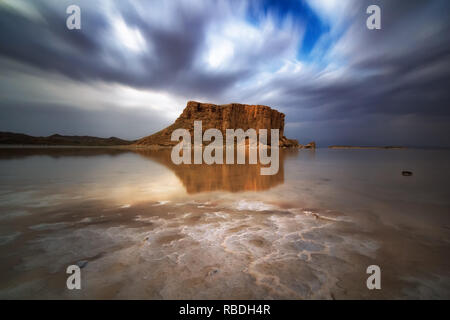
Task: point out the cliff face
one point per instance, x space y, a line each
222 117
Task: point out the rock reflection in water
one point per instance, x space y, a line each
195 178
221 177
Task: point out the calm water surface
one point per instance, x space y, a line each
142 227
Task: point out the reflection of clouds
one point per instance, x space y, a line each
116 176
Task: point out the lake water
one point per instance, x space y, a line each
142 227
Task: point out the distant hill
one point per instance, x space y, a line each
366 147
10 138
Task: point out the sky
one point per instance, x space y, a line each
134 64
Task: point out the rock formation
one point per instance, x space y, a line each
311 145
222 117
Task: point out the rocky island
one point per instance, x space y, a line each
222 117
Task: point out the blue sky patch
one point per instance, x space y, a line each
300 12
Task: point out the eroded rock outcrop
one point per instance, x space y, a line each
311 145
222 117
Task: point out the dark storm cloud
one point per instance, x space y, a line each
399 72
374 85
85 55
49 45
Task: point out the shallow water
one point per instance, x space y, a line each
142 227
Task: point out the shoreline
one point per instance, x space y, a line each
368 147
157 147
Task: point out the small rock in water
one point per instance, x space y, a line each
82 264
212 272
407 173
